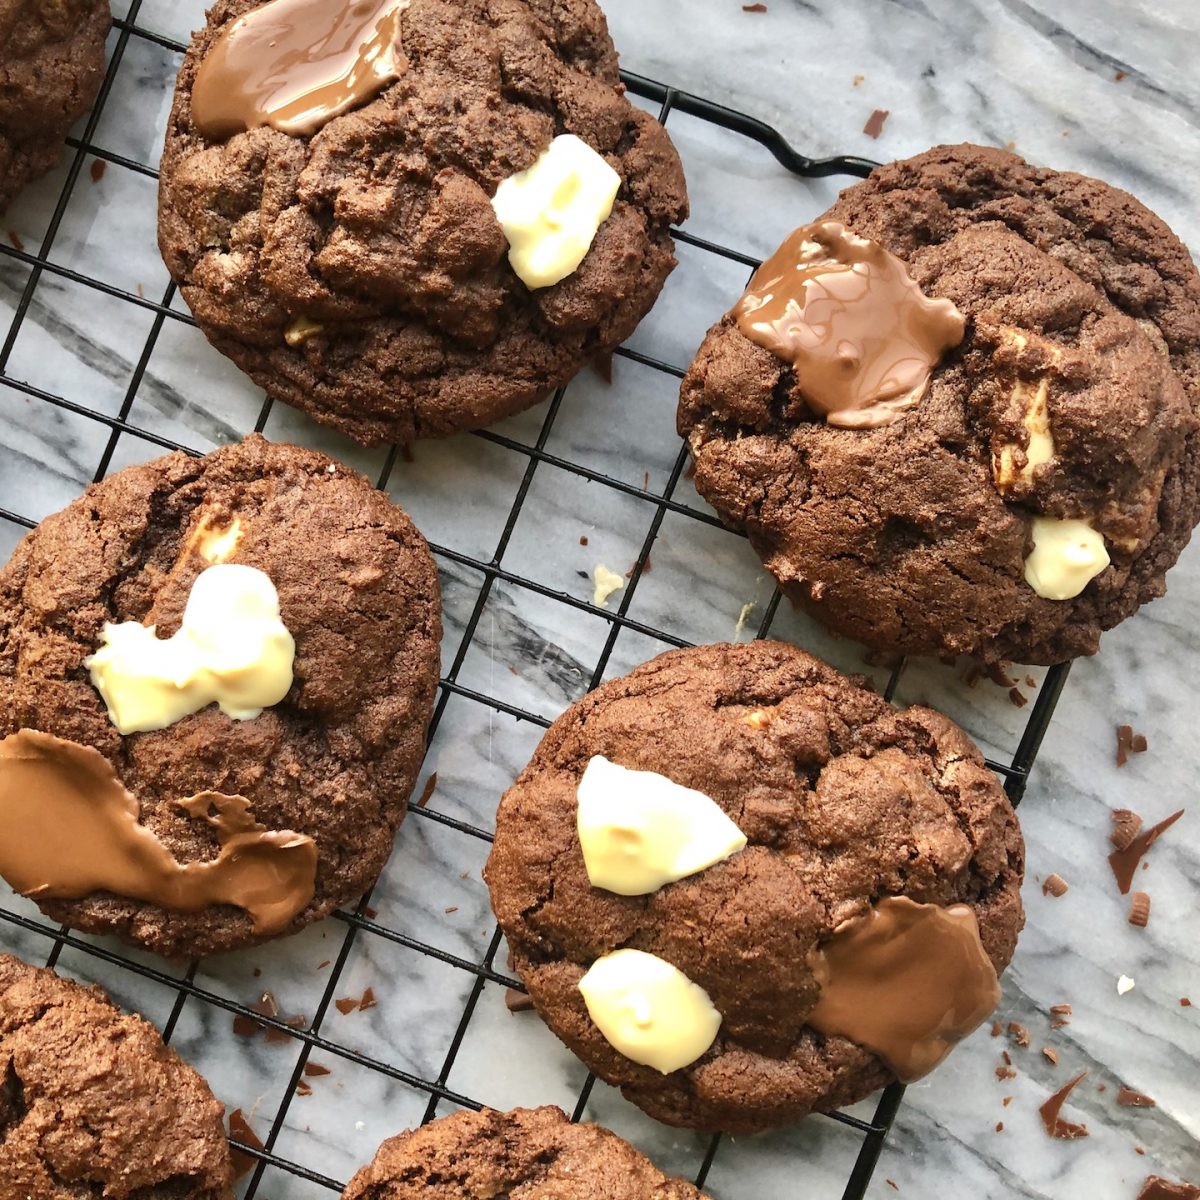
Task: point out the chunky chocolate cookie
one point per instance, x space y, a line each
347 255
1034 486
93 1104
527 1152
856 818
51 65
224 823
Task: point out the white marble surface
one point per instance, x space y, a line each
1039 73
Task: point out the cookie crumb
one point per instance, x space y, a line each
1139 909
1050 1055
1055 1125
874 126
1019 1033
857 80
1129 1098
606 582
1055 885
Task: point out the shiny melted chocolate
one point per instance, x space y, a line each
860 334
69 827
297 64
906 980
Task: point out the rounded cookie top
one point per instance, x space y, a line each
333 762
1073 396
92 1102
51 65
525 1152
842 800
361 274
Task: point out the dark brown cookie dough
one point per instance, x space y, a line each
379 228
522 1154
335 760
843 800
51 65
93 1104
899 536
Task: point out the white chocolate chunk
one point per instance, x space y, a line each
232 648
1066 557
649 1010
606 582
1040 446
640 830
550 213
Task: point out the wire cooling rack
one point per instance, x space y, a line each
278 1163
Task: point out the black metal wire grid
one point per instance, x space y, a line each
360 923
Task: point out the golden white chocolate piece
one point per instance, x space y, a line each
1066 557
1040 447
640 830
231 648
606 582
649 1010
550 212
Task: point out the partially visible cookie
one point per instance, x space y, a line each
352 264
51 65
1036 489
718 999
93 1104
522 1154
254 815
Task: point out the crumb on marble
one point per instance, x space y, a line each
1055 885
874 126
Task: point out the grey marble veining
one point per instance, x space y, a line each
1042 75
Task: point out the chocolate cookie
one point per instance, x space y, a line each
92 1103
855 819
347 256
1034 484
213 826
51 65
527 1152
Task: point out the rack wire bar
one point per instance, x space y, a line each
361 923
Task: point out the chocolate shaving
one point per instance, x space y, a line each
516 1001
1129 743
428 790
1139 910
312 1069
1158 1188
302 1089
1019 1033
1055 885
452 909
1058 1023
1124 862
1051 1055
322 965
1063 1010
239 1129
1128 1098
874 126
758 8
1056 1127
1125 827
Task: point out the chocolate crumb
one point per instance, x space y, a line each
583 541
999 1126
1102 1088
1051 1055
997 1029
998 674
1139 910
239 1129
892 1184
1119 75
756 8
1004 1054
1158 1188
1129 743
1184 1002
874 126
1139 1150
1128 1098
1063 1010
98 167
1125 827
517 1001
1139 745
1055 885
1124 860
16 241
428 790
302 1089
346 1005
1055 1125
1018 698
312 1069
452 909
1020 1034
265 1006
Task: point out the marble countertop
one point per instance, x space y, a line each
1042 75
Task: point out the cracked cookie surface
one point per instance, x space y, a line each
1083 315
336 759
522 1154
375 243
92 1103
51 65
843 800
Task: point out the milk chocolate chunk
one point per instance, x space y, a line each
1158 1188
1056 1125
69 828
1124 861
908 980
297 64
859 332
